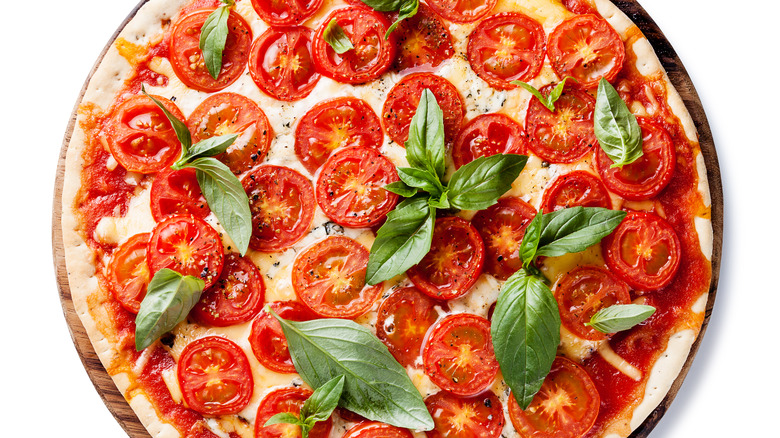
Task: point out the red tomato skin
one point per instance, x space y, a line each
576 188
184 46
267 338
486 135
224 359
128 274
281 79
502 227
286 400
291 12
486 422
449 10
403 319
375 429
423 41
176 192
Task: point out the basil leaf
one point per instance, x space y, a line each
425 145
285 418
385 5
408 10
421 179
526 333
479 184
206 148
575 229
549 100
616 128
441 202
169 299
401 189
530 242
181 130
376 386
334 35
323 401
213 36
226 198
402 241
619 317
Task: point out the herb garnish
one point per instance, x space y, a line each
619 317
213 36
616 128
318 407
549 100
337 38
406 9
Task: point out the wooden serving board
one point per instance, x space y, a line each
116 402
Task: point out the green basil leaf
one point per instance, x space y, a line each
402 241
169 299
616 128
526 333
323 401
408 10
421 179
226 198
284 418
530 243
549 100
335 36
575 229
385 5
619 317
440 202
479 184
213 36
207 148
376 386
181 130
401 189
425 145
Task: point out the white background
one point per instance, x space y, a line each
729 48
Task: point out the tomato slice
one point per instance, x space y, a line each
176 192
586 48
644 251
187 245
565 407
286 400
579 6
140 137
576 188
403 320
285 13
502 227
267 338
214 376
462 11
507 47
343 121
458 355
329 278
282 205
423 40
350 188
647 176
231 113
281 64
187 59
403 98
128 274
479 416
454 262
584 291
565 135
374 429
486 135
372 54
237 296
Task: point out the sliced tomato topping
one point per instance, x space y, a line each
565 407
267 338
140 137
566 134
507 47
285 13
281 64
576 188
177 192
286 400
502 227
403 320
187 58
463 11
479 416
350 188
403 98
372 54
231 113
343 121
584 291
128 274
423 40
330 278
374 429
644 251
214 376
236 297
647 176
458 355
586 48
282 205
187 245
579 6
486 135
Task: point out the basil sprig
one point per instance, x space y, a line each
549 100
335 36
318 407
376 386
406 9
619 317
169 299
213 36
406 236
616 128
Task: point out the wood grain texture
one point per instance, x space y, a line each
116 402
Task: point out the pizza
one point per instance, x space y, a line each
378 218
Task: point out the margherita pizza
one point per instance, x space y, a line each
392 219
